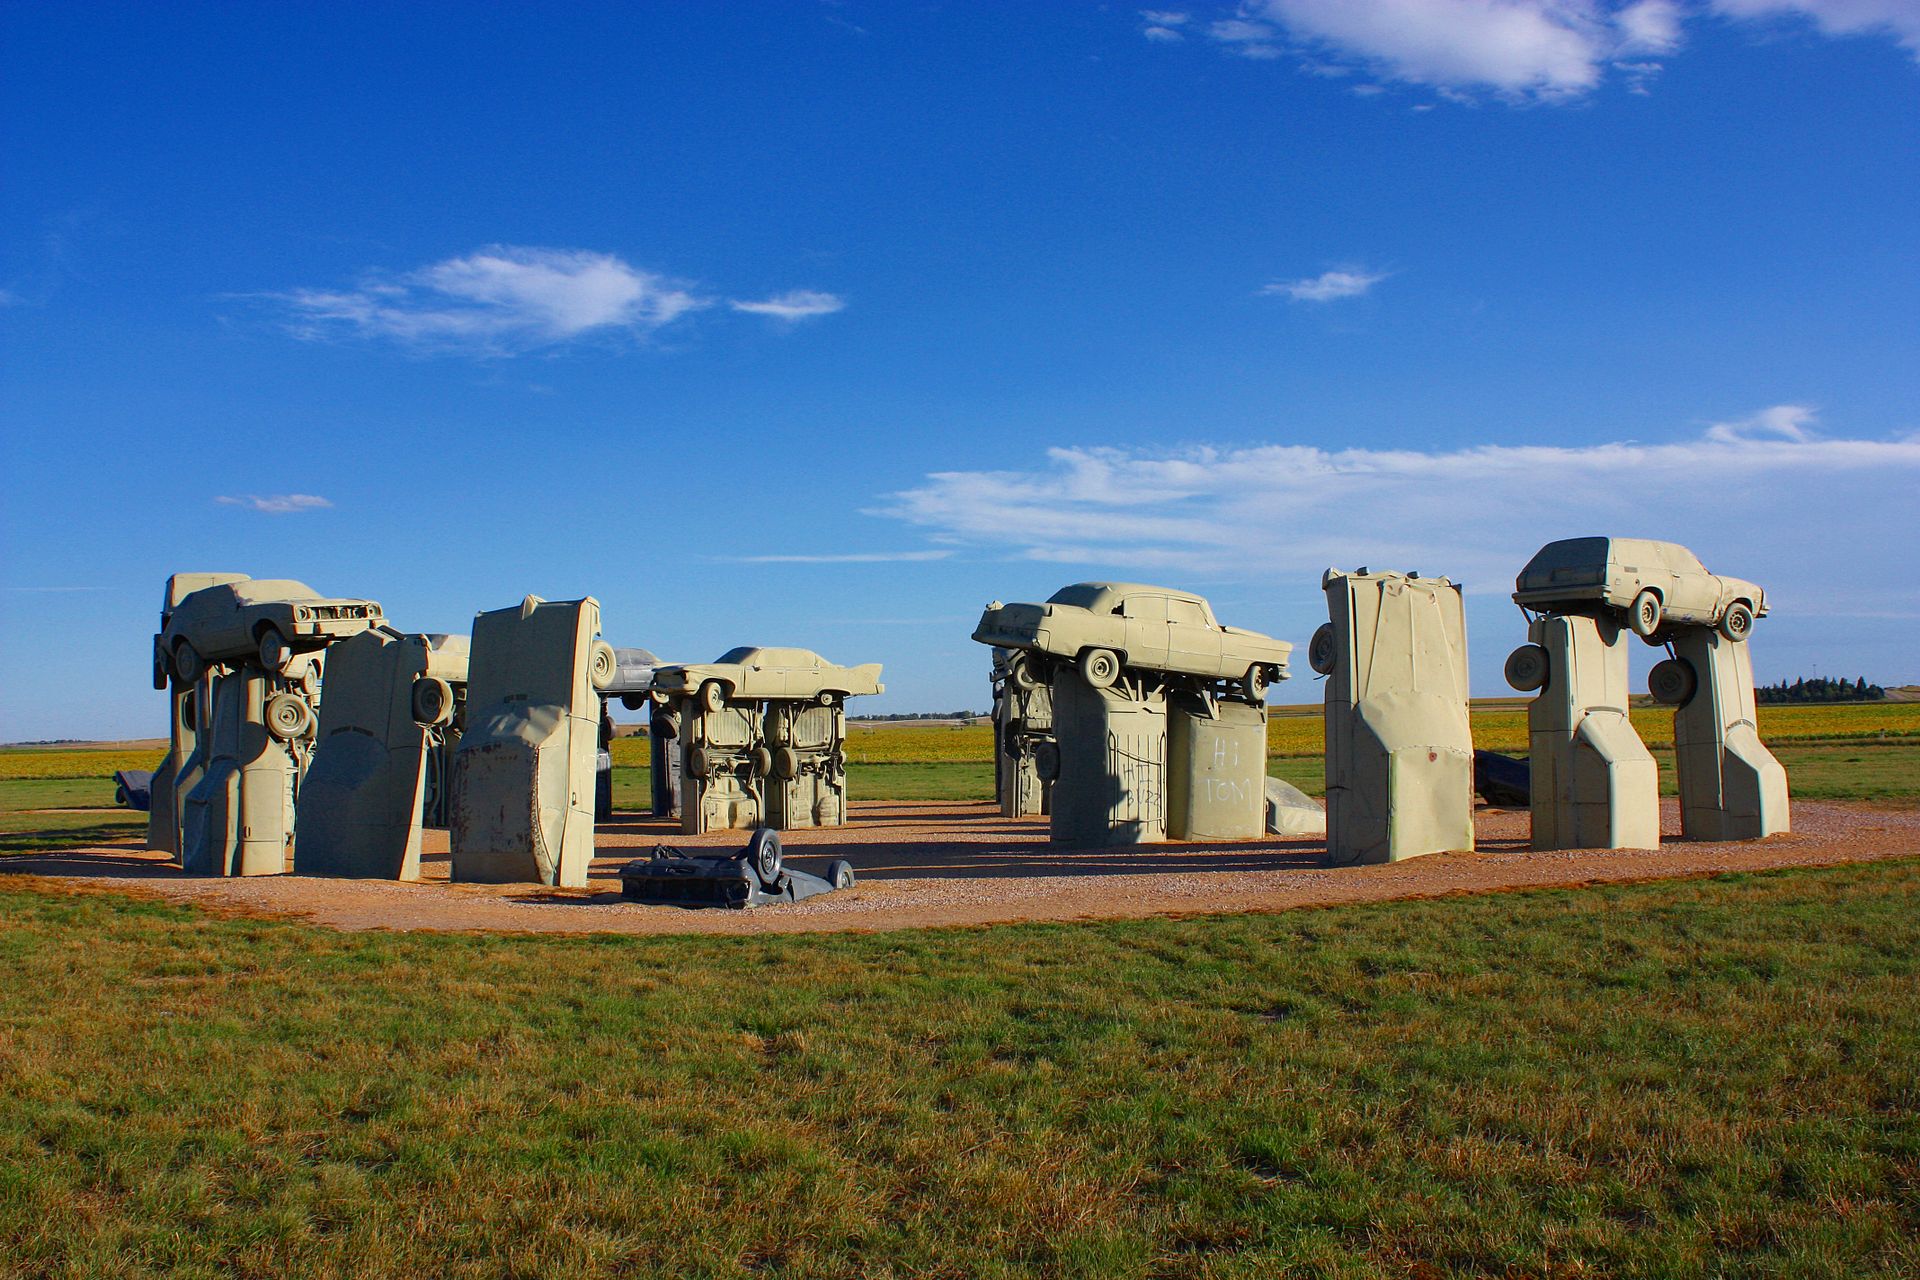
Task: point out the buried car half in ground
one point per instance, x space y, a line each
1655 584
754 876
1106 627
266 620
754 674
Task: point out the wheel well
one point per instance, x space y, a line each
1121 654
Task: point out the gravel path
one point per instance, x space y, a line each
962 864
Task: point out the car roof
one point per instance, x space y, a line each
1569 552
1105 595
771 657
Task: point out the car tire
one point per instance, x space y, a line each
1736 624
713 695
697 763
1100 667
840 874
602 664
786 764
762 762
190 711
633 701
273 650
432 701
1644 614
162 670
1253 686
1673 682
187 663
825 697
1320 654
288 716
1020 673
1046 761
763 855
1527 668
120 796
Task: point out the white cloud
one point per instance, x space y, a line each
1327 286
1898 18
1163 24
501 299
277 504
798 304
846 557
1742 494
1518 50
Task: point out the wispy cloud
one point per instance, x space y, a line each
276 504
845 557
1897 18
1327 286
507 299
1164 24
797 304
1258 512
1515 50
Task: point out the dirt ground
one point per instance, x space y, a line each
945 863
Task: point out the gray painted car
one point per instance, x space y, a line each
1106 627
267 620
1655 584
755 674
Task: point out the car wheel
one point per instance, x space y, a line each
288 717
187 664
190 712
1527 668
1046 760
1253 685
786 764
763 854
120 796
161 672
840 873
275 653
633 701
602 664
824 697
1020 673
432 701
1736 624
696 762
1672 682
762 762
1100 667
1643 615
1320 650
713 695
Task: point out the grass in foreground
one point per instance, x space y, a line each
1686 1079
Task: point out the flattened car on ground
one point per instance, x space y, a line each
753 876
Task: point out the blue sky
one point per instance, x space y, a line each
824 324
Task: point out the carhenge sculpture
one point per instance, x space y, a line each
1731 787
170 785
1158 712
252 650
392 717
523 774
1399 747
1022 736
762 737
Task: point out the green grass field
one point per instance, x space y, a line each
1709 1078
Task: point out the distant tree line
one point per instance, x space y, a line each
1820 689
927 715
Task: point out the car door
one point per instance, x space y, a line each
1194 642
1692 593
1146 619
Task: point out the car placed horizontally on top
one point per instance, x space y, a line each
264 619
1107 627
755 674
1657 585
